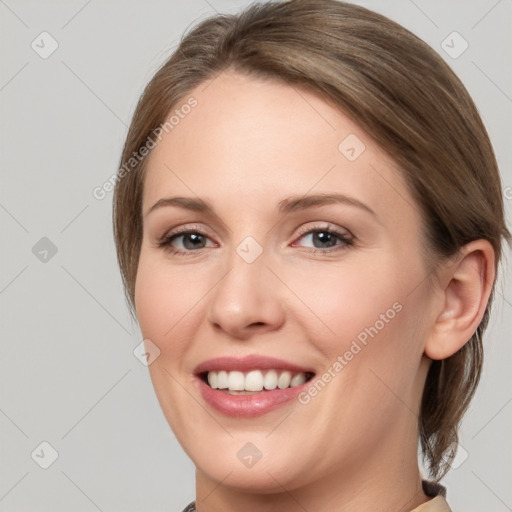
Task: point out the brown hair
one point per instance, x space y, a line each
401 93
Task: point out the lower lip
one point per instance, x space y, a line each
248 406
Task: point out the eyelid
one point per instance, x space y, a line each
187 228
344 236
302 231
327 226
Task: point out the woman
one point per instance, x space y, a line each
308 220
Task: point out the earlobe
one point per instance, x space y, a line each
469 280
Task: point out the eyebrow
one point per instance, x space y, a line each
302 202
285 206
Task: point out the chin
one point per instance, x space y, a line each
258 479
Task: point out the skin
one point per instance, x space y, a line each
248 145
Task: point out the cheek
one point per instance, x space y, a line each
152 301
365 320
342 303
165 301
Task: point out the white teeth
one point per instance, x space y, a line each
270 381
212 380
255 380
284 380
236 381
297 380
222 379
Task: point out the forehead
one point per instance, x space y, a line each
254 142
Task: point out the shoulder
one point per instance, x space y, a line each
433 489
191 507
438 502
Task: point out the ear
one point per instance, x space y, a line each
467 285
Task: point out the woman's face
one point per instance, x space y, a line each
336 288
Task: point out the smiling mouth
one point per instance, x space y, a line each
254 381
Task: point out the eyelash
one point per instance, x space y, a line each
166 241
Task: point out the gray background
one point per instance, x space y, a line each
68 375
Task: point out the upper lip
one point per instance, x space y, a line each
248 363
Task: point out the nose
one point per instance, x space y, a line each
247 299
